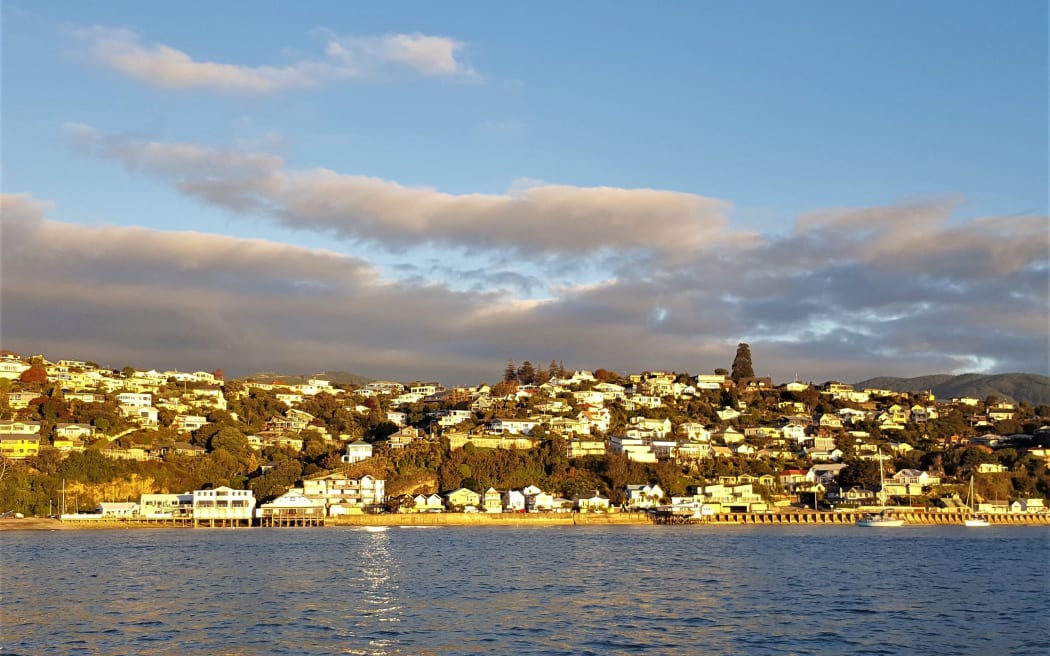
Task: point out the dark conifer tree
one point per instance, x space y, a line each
742 363
510 374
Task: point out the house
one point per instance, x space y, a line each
793 431
19 446
991 468
292 506
344 495
513 501
579 447
187 449
910 482
694 432
728 414
636 449
166 505
644 496
454 417
594 503
135 400
357 452
73 431
492 501
729 436
658 428
144 416
117 509
790 479
20 400
224 503
536 500
854 494
189 423
404 437
462 498
513 426
824 473
687 451
12 427
1032 506
722 498
428 503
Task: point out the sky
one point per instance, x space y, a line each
412 190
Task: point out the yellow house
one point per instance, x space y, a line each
463 497
18 447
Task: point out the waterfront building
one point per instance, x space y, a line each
343 495
224 504
157 506
292 508
462 498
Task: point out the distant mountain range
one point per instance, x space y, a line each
337 377
1033 388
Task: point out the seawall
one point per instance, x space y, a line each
531 519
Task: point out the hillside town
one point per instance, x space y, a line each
80 439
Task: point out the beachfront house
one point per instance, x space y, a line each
224 503
644 496
159 506
592 503
462 498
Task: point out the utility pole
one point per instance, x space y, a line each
63 496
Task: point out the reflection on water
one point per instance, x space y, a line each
582 590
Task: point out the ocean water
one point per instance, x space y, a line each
551 590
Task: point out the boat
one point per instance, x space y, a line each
974 519
886 518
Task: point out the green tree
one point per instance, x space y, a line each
860 473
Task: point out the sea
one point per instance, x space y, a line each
600 590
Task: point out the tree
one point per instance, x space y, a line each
860 473
510 374
526 373
219 374
35 374
742 363
721 372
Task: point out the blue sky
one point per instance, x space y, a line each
603 170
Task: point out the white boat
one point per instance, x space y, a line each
974 519
886 518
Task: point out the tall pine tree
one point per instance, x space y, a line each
510 374
742 363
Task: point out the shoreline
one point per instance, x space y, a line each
520 520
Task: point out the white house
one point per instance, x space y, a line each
224 503
356 452
166 505
644 496
594 503
118 509
513 501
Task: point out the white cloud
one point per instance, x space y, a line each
531 219
345 57
830 301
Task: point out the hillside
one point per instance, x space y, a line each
337 377
1033 388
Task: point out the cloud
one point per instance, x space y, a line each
534 220
820 301
345 58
